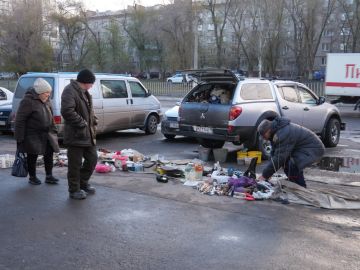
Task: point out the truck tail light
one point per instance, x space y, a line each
230 129
57 119
235 111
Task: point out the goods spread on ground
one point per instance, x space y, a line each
331 193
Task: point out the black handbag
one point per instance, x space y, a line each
20 168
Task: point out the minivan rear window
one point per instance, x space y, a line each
255 91
25 83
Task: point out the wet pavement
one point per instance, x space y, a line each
340 164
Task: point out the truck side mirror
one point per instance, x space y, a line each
321 100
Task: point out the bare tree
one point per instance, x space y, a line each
73 34
176 25
22 45
273 14
133 24
117 60
351 23
310 19
237 19
219 12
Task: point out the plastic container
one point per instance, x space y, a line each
241 154
204 153
189 171
199 169
6 161
138 167
220 154
248 160
257 154
241 161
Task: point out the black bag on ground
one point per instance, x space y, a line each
19 168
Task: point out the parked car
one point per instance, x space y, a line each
179 78
170 124
5 111
223 108
7 75
120 102
5 96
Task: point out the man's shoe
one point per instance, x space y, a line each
89 189
78 195
34 181
51 180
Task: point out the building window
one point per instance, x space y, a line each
328 33
345 31
325 47
323 61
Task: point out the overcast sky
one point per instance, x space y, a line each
103 5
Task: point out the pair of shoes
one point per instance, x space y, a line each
89 189
78 195
34 181
51 179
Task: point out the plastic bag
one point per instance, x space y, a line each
20 168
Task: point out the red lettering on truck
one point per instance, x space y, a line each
351 71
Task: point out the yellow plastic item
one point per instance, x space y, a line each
257 154
241 154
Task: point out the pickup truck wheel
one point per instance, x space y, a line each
264 147
332 133
151 125
207 143
169 136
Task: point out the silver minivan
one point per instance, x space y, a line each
120 102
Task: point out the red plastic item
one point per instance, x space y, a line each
102 168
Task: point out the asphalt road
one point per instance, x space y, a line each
134 222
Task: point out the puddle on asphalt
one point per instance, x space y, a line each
340 164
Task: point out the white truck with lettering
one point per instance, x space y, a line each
343 77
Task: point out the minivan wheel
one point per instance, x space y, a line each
207 143
151 125
332 133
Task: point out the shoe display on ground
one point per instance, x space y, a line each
89 189
78 195
51 180
34 181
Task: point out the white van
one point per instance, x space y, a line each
120 102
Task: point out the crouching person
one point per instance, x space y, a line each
293 148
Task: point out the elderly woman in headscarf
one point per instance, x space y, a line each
35 130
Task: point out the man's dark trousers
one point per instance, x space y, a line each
80 172
294 174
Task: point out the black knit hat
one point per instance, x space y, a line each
85 76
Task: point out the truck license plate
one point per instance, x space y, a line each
2 123
203 129
174 125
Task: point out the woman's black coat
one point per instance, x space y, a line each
34 125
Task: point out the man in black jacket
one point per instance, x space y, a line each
79 133
293 147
